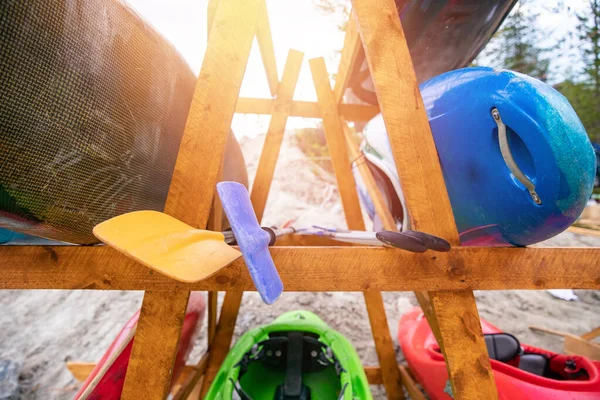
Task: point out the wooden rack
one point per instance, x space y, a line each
443 282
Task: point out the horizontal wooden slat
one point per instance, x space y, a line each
314 269
306 109
81 371
373 373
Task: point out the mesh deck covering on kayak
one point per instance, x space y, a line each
93 103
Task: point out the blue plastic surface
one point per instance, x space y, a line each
547 140
252 240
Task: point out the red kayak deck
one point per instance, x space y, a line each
577 378
107 379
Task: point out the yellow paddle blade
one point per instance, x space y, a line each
167 245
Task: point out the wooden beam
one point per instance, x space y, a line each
81 371
352 47
213 105
212 316
424 189
265 45
410 384
192 188
381 208
155 345
309 240
583 231
270 152
352 268
220 346
306 109
582 347
384 346
591 334
191 380
336 141
460 329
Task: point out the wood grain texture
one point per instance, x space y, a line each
350 268
306 109
384 346
375 377
213 105
591 334
381 208
220 346
155 345
81 371
410 384
191 380
265 45
405 118
460 328
309 240
336 142
192 187
423 185
212 316
352 47
579 346
583 231
281 110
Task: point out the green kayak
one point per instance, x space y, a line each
296 357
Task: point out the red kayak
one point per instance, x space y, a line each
106 380
521 371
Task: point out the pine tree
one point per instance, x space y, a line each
515 44
584 94
589 34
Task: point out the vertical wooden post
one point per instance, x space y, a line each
336 142
352 46
281 110
217 214
222 341
282 105
424 189
265 45
192 188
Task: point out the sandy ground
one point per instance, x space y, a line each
44 329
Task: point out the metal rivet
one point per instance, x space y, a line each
278 353
313 353
496 114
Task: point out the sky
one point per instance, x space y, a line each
298 24
295 24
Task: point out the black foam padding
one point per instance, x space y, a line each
502 346
401 241
536 364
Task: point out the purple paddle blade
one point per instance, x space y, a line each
253 241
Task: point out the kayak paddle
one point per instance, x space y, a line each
414 241
252 239
167 245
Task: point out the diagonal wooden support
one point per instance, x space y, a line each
265 45
352 47
192 188
424 189
223 336
282 106
336 141
262 183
